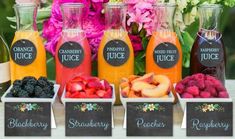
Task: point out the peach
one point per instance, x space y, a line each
140 85
124 84
132 94
146 78
125 91
162 89
133 77
165 96
124 80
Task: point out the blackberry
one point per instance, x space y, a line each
15 91
26 79
37 91
47 89
32 82
23 94
17 83
9 95
42 83
43 79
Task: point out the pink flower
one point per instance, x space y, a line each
136 42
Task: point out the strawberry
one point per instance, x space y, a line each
82 95
94 84
68 95
101 93
75 95
78 86
90 91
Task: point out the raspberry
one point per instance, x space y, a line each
186 95
201 84
193 90
186 80
223 94
179 88
205 94
212 90
199 76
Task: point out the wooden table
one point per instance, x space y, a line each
118 132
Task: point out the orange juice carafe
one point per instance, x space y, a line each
28 55
164 53
115 54
73 54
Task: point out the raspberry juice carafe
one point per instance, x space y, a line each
164 52
208 51
115 54
73 54
27 52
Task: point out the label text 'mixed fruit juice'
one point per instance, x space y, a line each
115 54
164 53
73 54
28 54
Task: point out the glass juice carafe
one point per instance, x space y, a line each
73 54
164 53
115 54
208 52
28 54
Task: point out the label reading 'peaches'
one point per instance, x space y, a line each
71 54
166 55
116 52
23 52
149 119
210 54
209 119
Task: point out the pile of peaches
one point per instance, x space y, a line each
147 86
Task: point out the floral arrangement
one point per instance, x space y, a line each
88 107
209 108
148 107
26 107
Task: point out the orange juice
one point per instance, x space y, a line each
115 58
28 54
164 55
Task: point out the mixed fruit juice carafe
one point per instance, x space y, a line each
115 54
73 54
28 54
164 53
208 52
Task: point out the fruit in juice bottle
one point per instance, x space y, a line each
115 58
164 55
28 55
73 58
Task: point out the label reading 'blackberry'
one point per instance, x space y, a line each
116 52
166 55
71 54
210 54
23 52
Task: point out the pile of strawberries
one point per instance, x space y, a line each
88 87
201 86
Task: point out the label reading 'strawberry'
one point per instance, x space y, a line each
71 54
116 52
23 52
166 55
210 54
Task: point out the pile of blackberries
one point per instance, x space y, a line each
30 87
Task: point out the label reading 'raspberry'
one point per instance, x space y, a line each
116 52
71 54
23 52
210 54
166 55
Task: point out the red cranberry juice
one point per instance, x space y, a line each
208 57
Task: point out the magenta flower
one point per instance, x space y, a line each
136 43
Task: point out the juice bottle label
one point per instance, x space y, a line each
71 54
23 52
166 55
116 52
210 54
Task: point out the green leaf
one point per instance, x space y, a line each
145 41
50 67
186 48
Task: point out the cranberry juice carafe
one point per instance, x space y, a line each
164 53
27 52
73 54
115 54
208 52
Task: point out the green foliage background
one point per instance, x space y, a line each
228 27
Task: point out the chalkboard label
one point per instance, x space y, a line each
210 54
116 52
71 54
88 119
210 119
27 119
166 55
23 52
149 119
